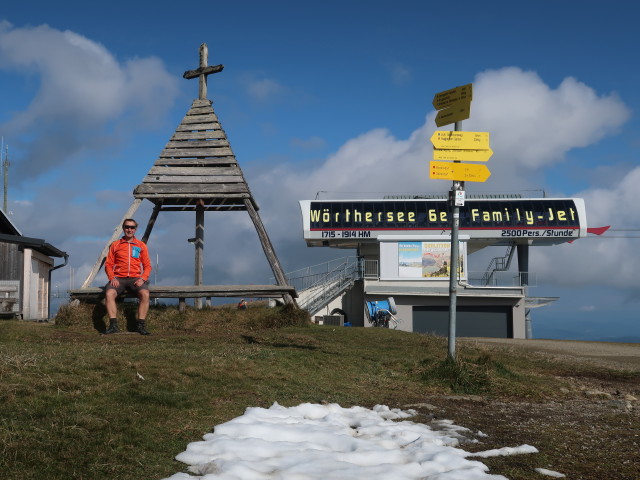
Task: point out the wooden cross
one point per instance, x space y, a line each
203 71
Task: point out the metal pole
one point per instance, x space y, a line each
5 165
453 263
523 270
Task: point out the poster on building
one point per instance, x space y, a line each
410 259
428 260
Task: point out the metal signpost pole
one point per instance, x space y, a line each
453 263
454 106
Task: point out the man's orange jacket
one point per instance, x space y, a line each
128 259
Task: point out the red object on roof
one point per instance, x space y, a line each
598 230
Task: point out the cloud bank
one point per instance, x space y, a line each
84 95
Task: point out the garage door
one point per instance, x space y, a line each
485 321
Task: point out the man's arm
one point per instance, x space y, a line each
109 263
146 262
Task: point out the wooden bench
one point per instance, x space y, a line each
182 292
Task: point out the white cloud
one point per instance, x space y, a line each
534 125
83 90
400 74
600 260
264 89
588 308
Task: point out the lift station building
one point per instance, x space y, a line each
404 247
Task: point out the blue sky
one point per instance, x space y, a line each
332 96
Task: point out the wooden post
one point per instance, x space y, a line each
152 222
268 249
199 244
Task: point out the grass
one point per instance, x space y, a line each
80 405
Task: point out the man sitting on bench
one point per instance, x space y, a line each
128 268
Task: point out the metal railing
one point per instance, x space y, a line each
498 264
503 279
318 285
315 275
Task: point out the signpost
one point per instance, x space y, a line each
460 140
455 146
448 97
462 155
455 113
464 172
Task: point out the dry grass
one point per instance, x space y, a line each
77 404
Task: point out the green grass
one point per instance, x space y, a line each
79 405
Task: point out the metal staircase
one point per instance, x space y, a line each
498 264
319 284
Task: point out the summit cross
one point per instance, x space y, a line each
203 71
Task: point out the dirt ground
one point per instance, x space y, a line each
590 430
611 355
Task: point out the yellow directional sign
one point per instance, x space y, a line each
462 155
462 172
455 113
445 99
460 140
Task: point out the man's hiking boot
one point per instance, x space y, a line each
141 330
112 329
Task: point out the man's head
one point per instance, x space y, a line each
129 227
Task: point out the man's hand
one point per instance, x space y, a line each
114 282
139 282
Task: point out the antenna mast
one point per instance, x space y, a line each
5 169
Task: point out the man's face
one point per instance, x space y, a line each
129 229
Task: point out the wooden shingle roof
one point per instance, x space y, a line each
196 165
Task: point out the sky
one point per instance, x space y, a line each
328 99
312 441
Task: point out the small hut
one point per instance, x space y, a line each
25 273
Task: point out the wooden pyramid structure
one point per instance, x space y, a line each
197 171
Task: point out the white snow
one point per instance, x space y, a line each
550 473
328 442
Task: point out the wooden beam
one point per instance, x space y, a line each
210 208
151 222
192 179
197 143
195 191
200 110
268 249
196 152
198 291
201 103
203 170
194 162
198 126
208 117
198 135
185 198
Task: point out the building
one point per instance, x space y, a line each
25 273
404 247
